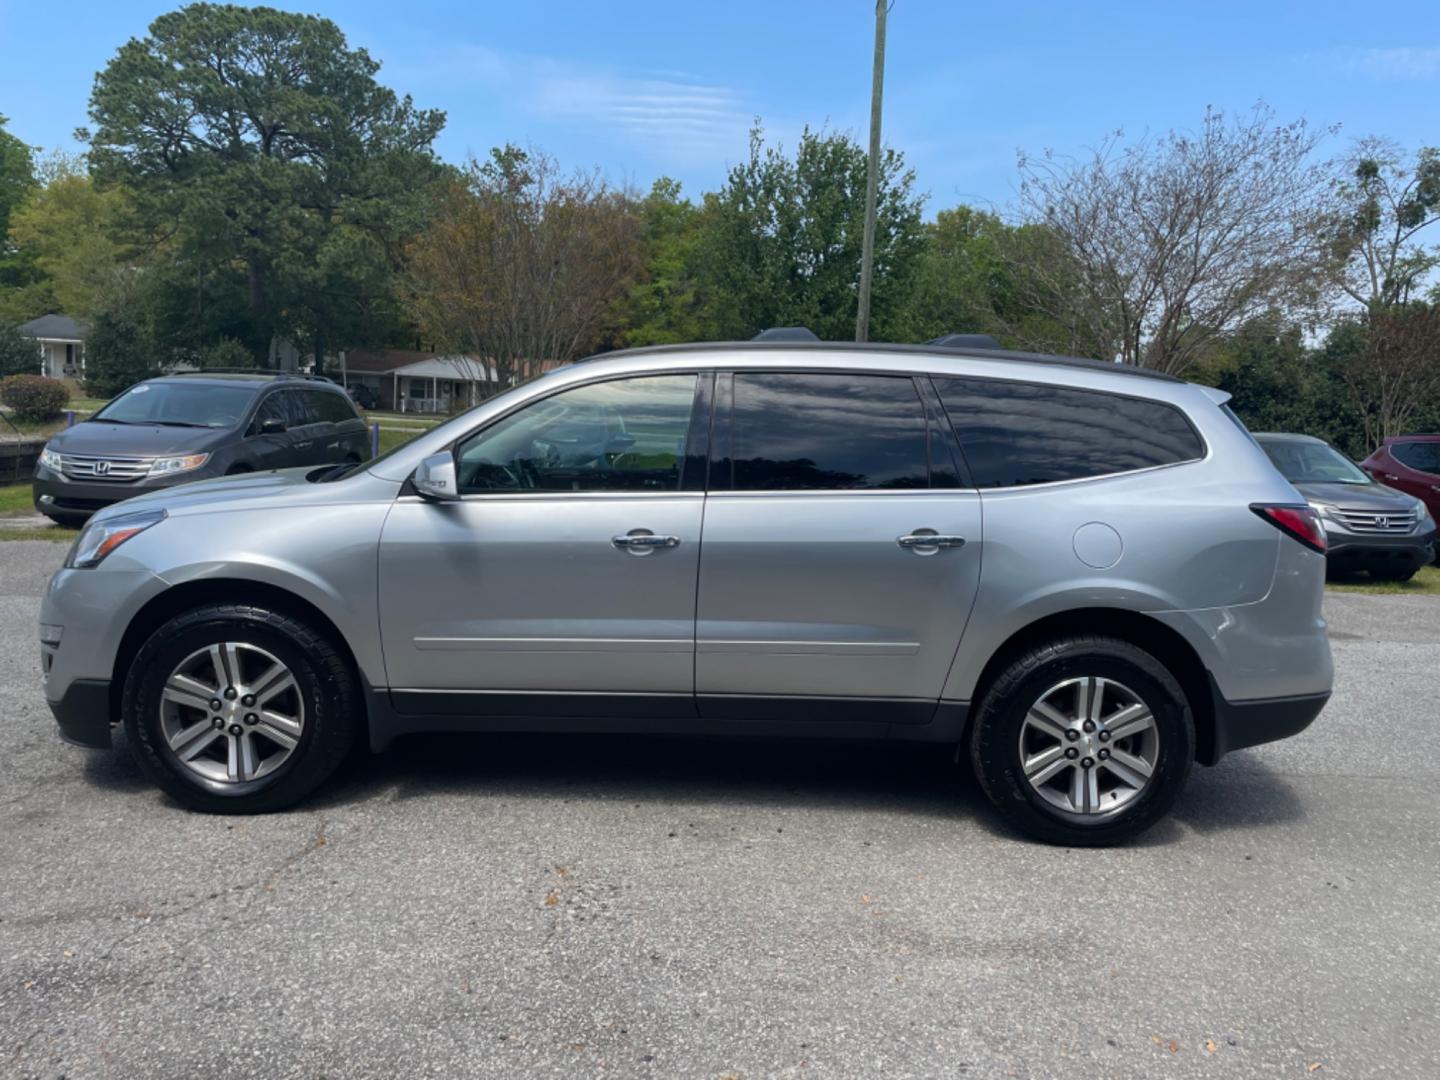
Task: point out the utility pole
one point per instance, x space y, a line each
872 177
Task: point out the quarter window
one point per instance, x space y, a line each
793 432
330 407
1421 456
623 435
1017 433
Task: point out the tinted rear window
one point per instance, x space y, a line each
334 408
828 432
1017 433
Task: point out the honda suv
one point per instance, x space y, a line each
1084 575
180 428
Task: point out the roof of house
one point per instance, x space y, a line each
54 328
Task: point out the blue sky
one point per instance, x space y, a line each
644 89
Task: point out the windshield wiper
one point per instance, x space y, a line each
174 423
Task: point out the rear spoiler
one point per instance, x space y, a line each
1219 397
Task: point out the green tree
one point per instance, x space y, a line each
71 229
19 298
120 348
258 138
780 242
1382 208
19 355
668 305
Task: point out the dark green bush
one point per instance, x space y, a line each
34 397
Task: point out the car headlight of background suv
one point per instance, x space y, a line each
100 538
50 459
168 466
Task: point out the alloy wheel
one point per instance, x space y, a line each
232 712
1089 746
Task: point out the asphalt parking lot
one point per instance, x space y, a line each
669 908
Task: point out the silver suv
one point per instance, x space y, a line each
1085 576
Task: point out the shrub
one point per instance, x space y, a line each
34 397
19 355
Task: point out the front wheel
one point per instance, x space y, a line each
232 708
1394 574
1083 741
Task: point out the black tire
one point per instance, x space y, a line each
995 736
1394 575
324 681
69 521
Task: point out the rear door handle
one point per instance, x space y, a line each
929 540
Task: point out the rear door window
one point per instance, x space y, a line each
827 432
1016 433
334 408
1421 456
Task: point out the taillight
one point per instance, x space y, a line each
1301 522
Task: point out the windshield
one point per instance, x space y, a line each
1313 463
179 405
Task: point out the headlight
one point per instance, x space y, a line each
167 466
1323 509
103 537
50 459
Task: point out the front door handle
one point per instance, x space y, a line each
643 541
924 538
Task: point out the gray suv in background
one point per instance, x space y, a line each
181 428
1085 576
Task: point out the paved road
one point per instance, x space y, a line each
665 908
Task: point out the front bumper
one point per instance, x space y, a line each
83 713
1239 724
56 494
1354 551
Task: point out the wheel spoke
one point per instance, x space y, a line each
183 690
273 688
1130 720
1097 699
270 727
1042 766
241 761
1124 773
1084 693
1133 763
1048 719
1077 790
190 741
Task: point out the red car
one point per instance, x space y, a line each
1410 463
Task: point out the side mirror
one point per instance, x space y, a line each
272 426
434 479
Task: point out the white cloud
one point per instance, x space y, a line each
668 111
1408 62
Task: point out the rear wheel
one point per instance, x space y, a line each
236 709
1084 741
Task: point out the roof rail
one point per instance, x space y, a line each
787 333
966 341
258 372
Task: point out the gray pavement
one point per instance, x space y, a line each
552 906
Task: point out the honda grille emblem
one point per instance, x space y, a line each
1382 522
102 468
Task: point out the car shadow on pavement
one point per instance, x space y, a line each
918 779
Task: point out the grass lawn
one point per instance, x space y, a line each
15 499
1425 583
53 533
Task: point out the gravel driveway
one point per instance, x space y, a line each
564 906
